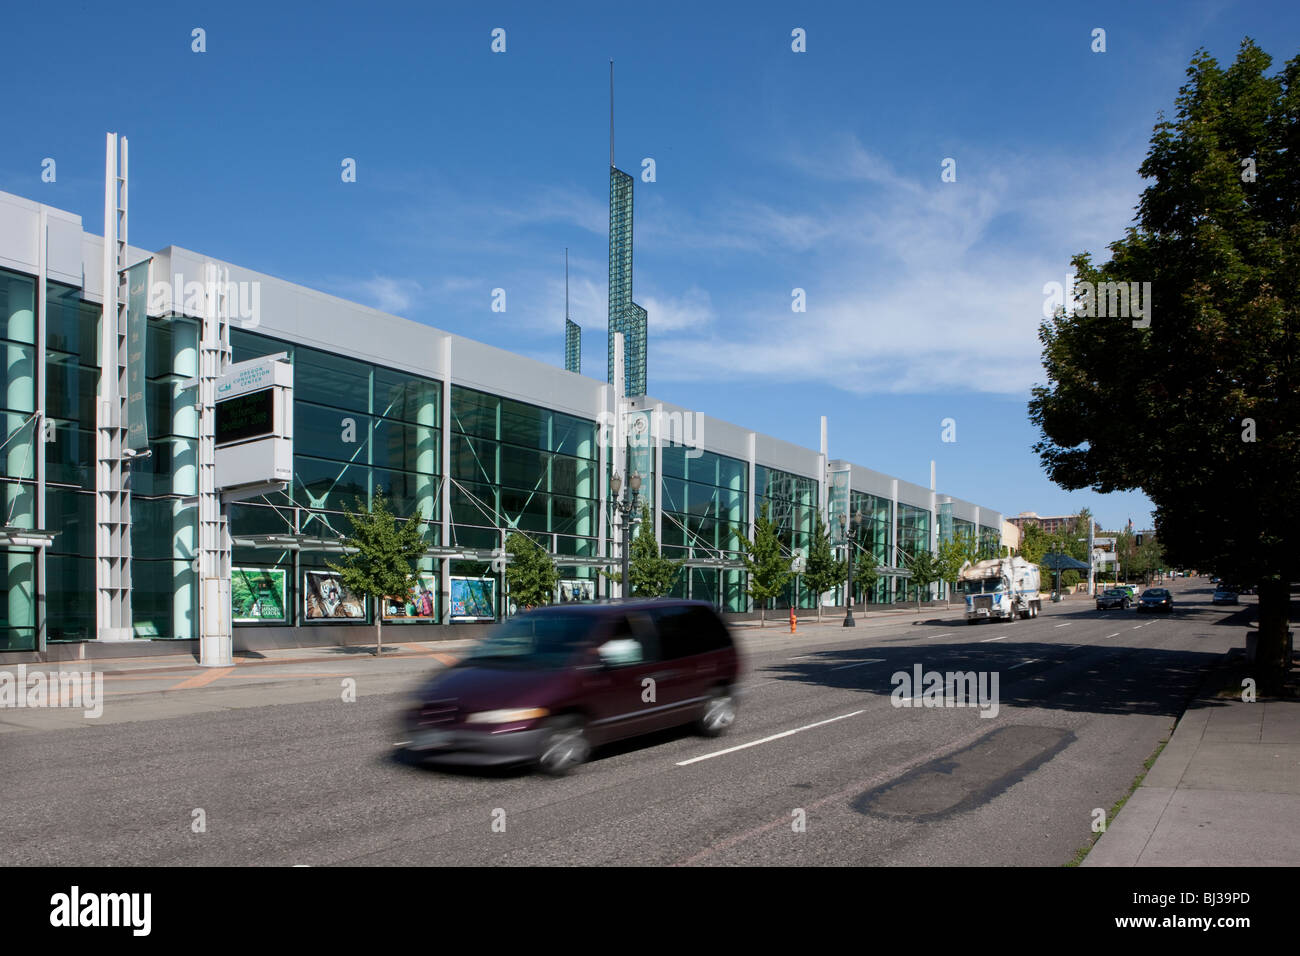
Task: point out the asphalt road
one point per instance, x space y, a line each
292 774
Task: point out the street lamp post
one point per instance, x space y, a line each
846 526
626 507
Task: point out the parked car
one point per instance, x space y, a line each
1224 595
1113 597
1156 599
549 685
1132 591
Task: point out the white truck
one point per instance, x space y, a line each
1001 588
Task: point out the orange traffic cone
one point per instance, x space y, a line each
792 621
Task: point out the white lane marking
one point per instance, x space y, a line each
1002 637
801 657
1066 624
1023 663
1116 634
1136 626
874 660
755 743
938 635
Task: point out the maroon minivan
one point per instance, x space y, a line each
547 686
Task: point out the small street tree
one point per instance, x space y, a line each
530 573
652 574
384 563
951 559
768 569
925 571
823 571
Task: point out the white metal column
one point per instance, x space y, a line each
112 491
215 636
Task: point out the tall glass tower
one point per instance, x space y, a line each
572 346
624 315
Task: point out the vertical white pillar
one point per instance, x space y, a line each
20 452
185 481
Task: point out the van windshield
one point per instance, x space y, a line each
533 641
982 586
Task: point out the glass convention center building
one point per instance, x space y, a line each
475 438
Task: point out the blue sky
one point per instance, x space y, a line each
775 170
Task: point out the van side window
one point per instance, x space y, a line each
626 643
688 630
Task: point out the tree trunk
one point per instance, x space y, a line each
1271 663
379 629
762 614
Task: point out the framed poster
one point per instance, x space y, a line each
576 591
420 603
258 595
324 598
473 599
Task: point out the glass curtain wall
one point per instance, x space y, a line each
872 538
515 465
913 538
791 502
358 429
705 504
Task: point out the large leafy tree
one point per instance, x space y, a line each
823 570
531 573
383 564
652 574
1208 378
768 569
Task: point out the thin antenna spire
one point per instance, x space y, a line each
611 111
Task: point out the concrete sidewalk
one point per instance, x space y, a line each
1225 791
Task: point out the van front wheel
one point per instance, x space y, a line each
719 714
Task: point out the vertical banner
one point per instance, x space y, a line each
945 522
137 321
838 502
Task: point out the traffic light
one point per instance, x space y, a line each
1138 539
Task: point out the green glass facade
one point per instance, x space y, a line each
624 315
515 465
358 428
872 539
705 514
791 502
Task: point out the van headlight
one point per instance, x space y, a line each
506 716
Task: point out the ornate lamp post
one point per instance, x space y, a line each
627 507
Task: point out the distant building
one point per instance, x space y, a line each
1051 524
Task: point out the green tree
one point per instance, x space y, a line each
925 571
1034 542
769 570
1209 381
951 559
652 574
823 570
384 563
530 573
